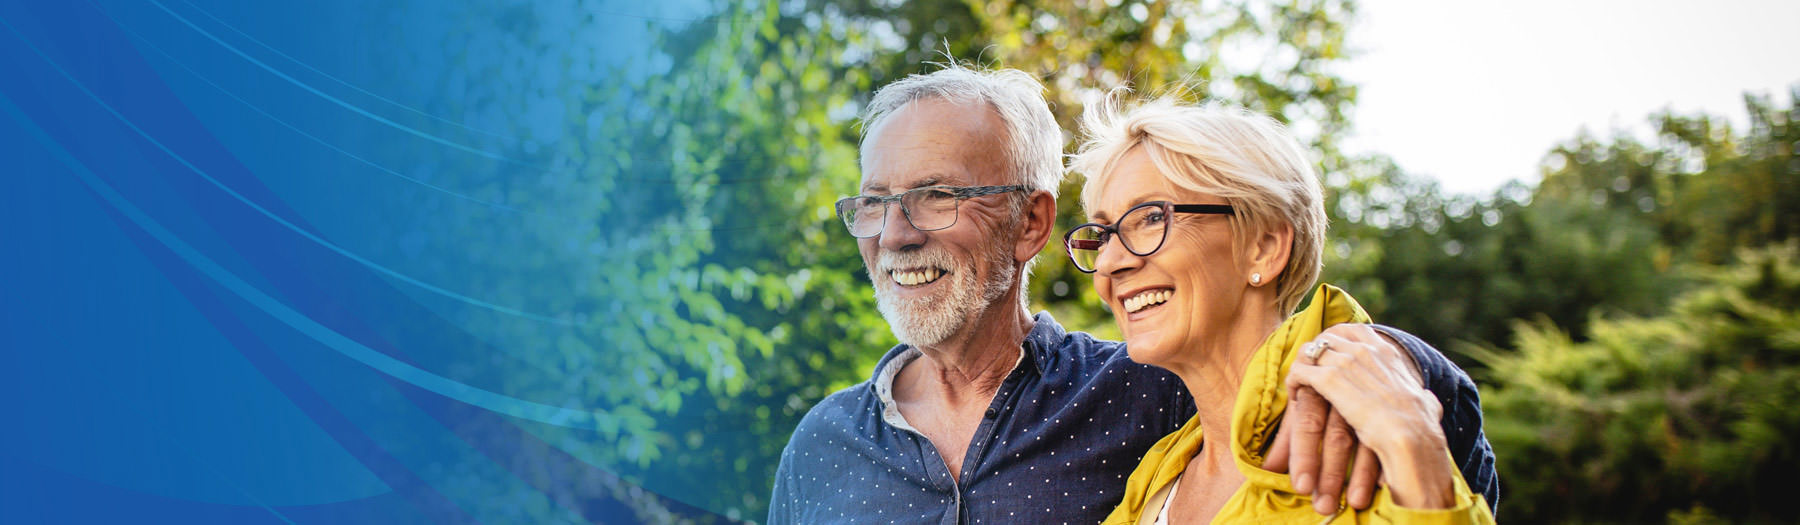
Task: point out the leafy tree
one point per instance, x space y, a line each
1706 188
1604 233
672 210
1683 415
1457 269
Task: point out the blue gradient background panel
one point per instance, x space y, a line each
306 262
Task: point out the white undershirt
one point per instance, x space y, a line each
1162 517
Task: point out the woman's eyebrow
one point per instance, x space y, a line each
1154 197
1102 217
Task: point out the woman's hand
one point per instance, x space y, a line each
1374 388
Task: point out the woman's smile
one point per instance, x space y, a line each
1143 302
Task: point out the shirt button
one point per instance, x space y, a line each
991 413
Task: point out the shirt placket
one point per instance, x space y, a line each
984 437
933 461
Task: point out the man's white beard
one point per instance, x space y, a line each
932 319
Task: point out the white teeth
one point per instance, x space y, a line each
1145 299
914 278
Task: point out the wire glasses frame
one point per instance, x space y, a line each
928 208
1146 224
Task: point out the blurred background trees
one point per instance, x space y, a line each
1631 317
1683 414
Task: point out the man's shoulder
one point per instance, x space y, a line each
1073 343
824 429
1090 366
1094 355
1442 376
845 403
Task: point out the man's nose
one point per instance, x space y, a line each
897 232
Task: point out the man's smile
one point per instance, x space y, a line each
917 276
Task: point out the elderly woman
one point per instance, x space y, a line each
1207 230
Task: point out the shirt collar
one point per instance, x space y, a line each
883 384
1046 335
1036 350
1039 345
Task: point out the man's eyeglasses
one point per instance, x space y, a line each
928 208
1142 230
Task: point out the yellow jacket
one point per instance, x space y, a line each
1266 497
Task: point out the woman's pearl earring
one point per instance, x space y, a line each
1255 279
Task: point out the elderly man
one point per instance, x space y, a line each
985 413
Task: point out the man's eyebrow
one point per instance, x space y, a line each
882 188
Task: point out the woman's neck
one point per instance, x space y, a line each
1214 372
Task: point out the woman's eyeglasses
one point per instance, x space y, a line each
1142 230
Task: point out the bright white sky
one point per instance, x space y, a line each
1473 94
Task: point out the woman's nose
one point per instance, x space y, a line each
1114 258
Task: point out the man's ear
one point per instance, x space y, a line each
1269 252
1040 220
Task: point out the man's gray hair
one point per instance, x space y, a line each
1033 141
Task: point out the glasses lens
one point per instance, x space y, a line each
862 215
1142 229
1084 245
930 208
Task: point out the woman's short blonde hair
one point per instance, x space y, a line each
1249 159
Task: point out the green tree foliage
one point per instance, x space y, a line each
1706 188
1686 414
671 210
1635 313
774 107
1455 269
1602 234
